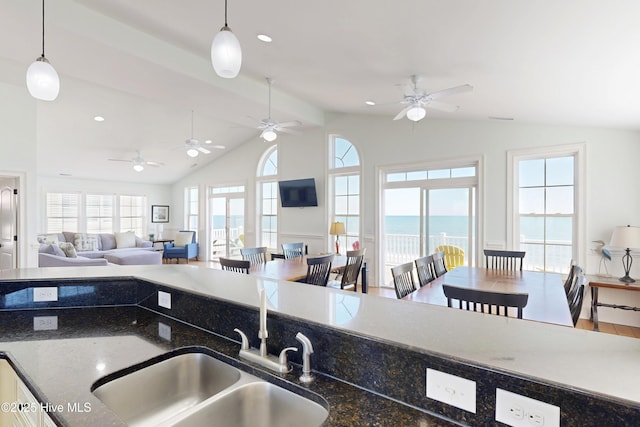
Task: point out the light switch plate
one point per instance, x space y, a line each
45 294
521 411
452 390
164 331
164 299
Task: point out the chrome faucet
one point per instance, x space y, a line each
307 350
260 356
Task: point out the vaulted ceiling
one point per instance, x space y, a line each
144 65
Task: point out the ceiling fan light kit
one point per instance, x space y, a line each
416 113
269 135
42 79
226 53
138 167
192 145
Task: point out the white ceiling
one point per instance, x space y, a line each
144 65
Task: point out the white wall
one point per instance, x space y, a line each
610 169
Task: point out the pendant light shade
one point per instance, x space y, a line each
416 113
226 54
42 79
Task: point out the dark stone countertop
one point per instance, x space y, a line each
60 365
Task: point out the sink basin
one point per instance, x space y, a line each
154 393
191 388
258 404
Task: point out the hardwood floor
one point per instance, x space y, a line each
609 328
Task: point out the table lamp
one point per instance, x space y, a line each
337 228
626 237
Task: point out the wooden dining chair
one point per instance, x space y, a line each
424 268
503 260
318 270
478 300
403 279
255 255
292 250
439 266
351 272
237 265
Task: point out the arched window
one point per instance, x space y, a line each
344 180
267 189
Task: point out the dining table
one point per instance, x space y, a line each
547 299
292 269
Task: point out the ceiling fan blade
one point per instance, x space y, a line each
154 164
450 91
289 124
203 150
120 160
402 113
290 131
436 105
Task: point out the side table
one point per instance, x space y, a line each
596 282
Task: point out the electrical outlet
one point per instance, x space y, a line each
452 390
164 331
521 411
45 294
164 299
45 323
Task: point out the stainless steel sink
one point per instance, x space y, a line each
193 388
157 392
258 404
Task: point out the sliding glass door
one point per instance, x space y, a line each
428 210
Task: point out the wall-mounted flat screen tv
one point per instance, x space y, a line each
298 193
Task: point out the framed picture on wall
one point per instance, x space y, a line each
159 213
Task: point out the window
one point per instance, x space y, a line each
191 208
99 213
344 178
546 206
63 212
132 214
267 185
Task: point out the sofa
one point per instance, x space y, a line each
69 249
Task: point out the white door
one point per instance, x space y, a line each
227 225
8 227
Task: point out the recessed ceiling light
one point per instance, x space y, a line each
370 102
98 119
265 38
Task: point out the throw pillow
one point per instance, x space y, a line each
126 240
68 249
85 242
48 239
183 238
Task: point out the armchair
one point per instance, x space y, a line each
183 246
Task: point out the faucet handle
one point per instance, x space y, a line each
245 340
283 357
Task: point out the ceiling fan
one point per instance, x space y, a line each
270 127
138 162
192 145
417 99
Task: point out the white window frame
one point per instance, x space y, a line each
261 179
333 173
100 217
191 208
579 151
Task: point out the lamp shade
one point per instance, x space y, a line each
625 237
42 80
226 54
416 113
337 228
269 135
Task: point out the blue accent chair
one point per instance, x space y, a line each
177 250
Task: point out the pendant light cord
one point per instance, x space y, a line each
43 28
225 12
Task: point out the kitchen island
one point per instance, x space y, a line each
376 346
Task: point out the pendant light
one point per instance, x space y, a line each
226 54
42 79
